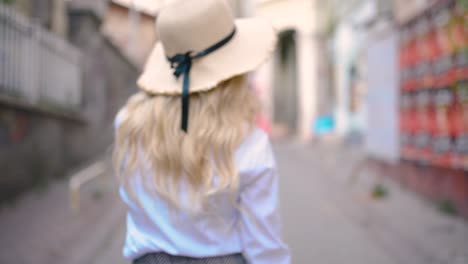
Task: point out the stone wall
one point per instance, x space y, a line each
31 150
37 146
109 78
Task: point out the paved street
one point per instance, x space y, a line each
328 216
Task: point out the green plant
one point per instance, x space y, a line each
379 191
97 195
447 207
7 1
463 3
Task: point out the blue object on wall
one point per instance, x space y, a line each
324 125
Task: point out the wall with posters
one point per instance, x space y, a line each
433 62
432 103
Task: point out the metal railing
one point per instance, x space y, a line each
81 178
36 66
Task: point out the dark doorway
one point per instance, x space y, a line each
285 82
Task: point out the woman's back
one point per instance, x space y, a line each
157 226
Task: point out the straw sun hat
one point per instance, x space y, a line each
201 46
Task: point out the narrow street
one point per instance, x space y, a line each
328 217
332 73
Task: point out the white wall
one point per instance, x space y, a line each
343 52
308 80
382 101
350 41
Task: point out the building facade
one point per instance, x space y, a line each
131 27
58 94
291 83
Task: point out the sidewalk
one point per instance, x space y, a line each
40 227
408 228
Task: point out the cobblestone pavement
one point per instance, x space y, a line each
328 217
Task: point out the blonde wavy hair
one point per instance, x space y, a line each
201 162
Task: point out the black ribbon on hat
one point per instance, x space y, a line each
182 63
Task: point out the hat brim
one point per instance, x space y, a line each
251 46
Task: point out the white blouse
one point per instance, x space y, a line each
253 231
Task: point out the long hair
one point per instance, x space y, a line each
197 164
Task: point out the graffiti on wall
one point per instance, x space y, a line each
14 126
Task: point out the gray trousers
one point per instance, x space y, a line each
162 258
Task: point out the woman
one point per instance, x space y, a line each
198 177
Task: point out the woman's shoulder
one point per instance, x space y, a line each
257 137
255 151
120 117
123 113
